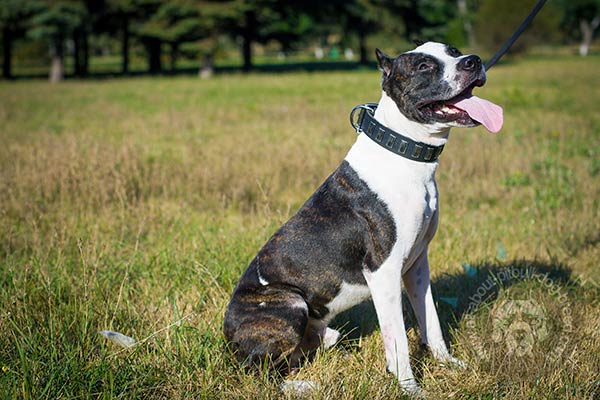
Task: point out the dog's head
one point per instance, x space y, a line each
433 85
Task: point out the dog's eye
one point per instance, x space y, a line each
424 67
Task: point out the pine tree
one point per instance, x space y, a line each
14 15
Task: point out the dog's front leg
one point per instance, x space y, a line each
418 288
386 291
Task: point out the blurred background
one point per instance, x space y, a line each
61 39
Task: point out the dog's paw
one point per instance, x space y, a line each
444 358
457 363
298 387
448 360
414 391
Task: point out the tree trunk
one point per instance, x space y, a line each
174 49
57 67
7 53
362 43
247 36
80 52
587 34
413 21
77 53
208 66
85 53
247 53
467 26
125 46
153 46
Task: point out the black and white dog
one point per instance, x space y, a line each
366 230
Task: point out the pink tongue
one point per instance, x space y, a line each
483 111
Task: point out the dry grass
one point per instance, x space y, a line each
130 204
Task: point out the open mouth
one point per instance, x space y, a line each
465 109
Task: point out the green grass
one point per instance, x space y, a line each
132 204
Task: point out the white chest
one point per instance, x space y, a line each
407 188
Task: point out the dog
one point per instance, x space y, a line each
366 229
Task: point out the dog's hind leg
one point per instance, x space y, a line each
317 334
266 325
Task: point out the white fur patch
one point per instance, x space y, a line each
262 280
435 49
348 296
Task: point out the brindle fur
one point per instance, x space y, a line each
341 229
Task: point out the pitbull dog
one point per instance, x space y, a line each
366 229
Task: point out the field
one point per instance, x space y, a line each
133 205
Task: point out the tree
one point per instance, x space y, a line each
14 15
214 16
465 20
409 12
56 21
175 23
582 16
149 32
91 22
360 18
116 18
157 23
128 17
260 21
587 34
495 21
422 19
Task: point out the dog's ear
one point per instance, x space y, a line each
419 42
384 61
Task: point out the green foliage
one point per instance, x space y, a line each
174 22
265 20
577 10
57 20
438 15
15 13
495 21
201 27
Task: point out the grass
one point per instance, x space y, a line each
136 203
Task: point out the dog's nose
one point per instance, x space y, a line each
469 64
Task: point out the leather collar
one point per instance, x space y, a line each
393 141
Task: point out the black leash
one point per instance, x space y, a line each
511 40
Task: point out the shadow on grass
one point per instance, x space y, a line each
459 294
